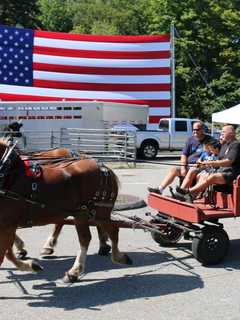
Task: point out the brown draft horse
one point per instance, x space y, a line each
51 242
79 188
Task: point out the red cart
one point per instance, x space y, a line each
197 221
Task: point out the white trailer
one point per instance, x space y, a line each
49 115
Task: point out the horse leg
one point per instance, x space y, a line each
104 248
23 265
78 267
6 241
19 244
7 238
117 256
48 247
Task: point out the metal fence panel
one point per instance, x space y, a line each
99 143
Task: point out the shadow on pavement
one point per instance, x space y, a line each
96 290
92 294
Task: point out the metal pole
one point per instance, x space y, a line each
51 139
172 40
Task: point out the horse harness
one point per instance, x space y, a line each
103 197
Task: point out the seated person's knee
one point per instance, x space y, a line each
211 179
174 171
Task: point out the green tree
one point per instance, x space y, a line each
56 15
21 13
109 16
208 36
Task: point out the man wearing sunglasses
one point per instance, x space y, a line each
190 154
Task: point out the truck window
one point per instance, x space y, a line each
181 126
164 125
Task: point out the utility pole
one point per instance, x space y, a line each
172 47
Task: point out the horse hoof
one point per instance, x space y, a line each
104 251
21 254
128 260
69 278
36 266
46 252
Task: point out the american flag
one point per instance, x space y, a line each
40 65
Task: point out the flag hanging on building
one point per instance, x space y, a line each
41 65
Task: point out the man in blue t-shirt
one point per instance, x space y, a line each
190 154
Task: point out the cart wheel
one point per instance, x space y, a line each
211 246
169 235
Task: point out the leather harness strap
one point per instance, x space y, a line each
103 197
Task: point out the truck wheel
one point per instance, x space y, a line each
148 150
211 246
169 235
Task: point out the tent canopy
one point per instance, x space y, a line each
231 115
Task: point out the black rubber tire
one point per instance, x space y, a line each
148 150
211 245
168 237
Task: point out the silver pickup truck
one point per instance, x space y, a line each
171 135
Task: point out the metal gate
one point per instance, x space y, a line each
99 143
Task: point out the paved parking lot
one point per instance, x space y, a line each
162 283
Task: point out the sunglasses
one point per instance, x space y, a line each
197 129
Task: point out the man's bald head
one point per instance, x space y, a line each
228 133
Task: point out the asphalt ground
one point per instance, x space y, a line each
162 283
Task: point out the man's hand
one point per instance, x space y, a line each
202 164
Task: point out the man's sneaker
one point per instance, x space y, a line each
181 190
176 195
155 190
189 197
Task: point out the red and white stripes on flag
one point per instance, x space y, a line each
131 69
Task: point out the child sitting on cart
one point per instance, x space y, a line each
198 171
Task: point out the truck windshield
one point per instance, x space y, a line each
164 125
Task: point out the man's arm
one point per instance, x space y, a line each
231 157
184 161
218 163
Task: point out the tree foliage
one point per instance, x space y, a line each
55 15
23 13
207 39
109 16
207 52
